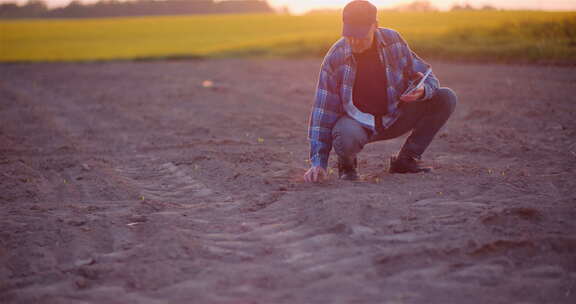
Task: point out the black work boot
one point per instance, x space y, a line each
406 164
347 168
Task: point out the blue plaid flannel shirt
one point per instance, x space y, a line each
335 88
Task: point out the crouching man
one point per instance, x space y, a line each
360 98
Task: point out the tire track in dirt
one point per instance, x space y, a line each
82 187
314 253
178 202
308 251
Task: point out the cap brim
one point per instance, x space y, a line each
356 31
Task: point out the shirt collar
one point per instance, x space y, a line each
379 40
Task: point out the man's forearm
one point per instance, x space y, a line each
319 154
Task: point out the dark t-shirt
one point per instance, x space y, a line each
369 94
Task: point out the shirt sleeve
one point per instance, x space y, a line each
431 84
326 110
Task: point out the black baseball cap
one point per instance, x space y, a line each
358 17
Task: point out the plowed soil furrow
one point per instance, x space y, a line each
138 183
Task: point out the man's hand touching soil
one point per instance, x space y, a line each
315 175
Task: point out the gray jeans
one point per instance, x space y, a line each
423 118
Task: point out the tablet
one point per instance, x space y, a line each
412 87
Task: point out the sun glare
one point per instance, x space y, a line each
303 6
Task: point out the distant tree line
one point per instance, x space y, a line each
467 7
426 6
417 6
114 8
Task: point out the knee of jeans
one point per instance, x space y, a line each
447 97
348 140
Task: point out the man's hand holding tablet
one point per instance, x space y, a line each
416 90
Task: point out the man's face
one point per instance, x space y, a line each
359 45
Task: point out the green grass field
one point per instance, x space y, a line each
526 36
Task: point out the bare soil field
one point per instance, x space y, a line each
139 182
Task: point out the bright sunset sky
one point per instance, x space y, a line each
301 6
